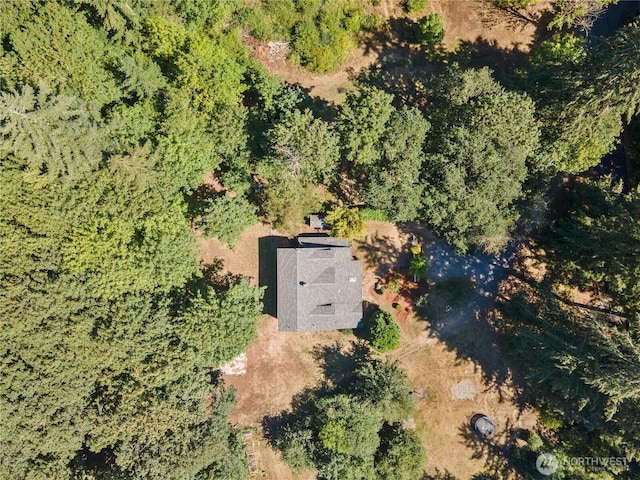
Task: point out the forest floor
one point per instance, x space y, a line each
475 31
468 360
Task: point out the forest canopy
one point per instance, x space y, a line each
114 114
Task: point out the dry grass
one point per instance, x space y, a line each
466 22
282 364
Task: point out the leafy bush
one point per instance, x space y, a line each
321 33
560 49
534 441
286 203
353 430
551 419
418 266
394 283
226 218
346 222
373 214
416 5
383 332
430 29
422 304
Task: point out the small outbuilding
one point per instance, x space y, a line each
318 222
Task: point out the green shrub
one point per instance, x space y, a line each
422 304
534 441
383 332
373 214
418 266
226 218
394 283
346 222
321 33
430 29
416 5
560 49
551 419
260 24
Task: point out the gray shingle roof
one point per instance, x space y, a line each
319 286
318 221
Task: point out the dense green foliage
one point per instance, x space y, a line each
415 5
349 428
306 147
599 241
321 33
418 266
393 184
430 29
382 331
111 116
108 324
226 217
346 222
583 362
584 98
483 140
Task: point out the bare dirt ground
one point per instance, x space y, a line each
280 364
243 259
469 24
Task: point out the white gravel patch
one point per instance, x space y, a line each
237 366
463 390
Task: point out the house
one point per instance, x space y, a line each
319 286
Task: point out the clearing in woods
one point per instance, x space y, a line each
453 379
473 28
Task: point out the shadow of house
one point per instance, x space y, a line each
267 248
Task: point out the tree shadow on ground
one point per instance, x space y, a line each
439 475
380 253
267 269
405 68
301 408
216 277
465 321
496 450
338 363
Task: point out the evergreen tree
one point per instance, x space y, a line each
306 146
226 218
484 137
362 123
393 183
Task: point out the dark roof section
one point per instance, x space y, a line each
319 286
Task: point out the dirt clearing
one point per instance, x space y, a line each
452 381
473 25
